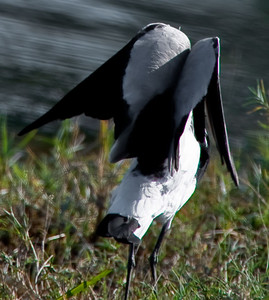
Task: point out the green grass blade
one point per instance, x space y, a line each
84 285
25 140
4 136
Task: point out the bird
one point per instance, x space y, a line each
162 95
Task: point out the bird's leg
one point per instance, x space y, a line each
154 256
130 266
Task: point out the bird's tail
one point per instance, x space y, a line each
120 228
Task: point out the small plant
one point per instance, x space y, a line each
260 181
82 287
10 151
260 99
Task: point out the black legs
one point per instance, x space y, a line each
152 260
154 256
130 266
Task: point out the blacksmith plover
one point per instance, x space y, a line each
158 90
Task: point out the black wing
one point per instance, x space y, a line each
199 79
98 96
217 123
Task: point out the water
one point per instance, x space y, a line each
46 49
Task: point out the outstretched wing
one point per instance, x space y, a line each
217 120
98 96
199 79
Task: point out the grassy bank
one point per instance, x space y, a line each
51 202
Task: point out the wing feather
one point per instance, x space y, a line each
217 122
200 80
98 96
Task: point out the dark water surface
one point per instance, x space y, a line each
47 47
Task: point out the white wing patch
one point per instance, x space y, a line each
146 75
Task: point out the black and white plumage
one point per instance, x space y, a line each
157 89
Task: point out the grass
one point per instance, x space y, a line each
51 201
